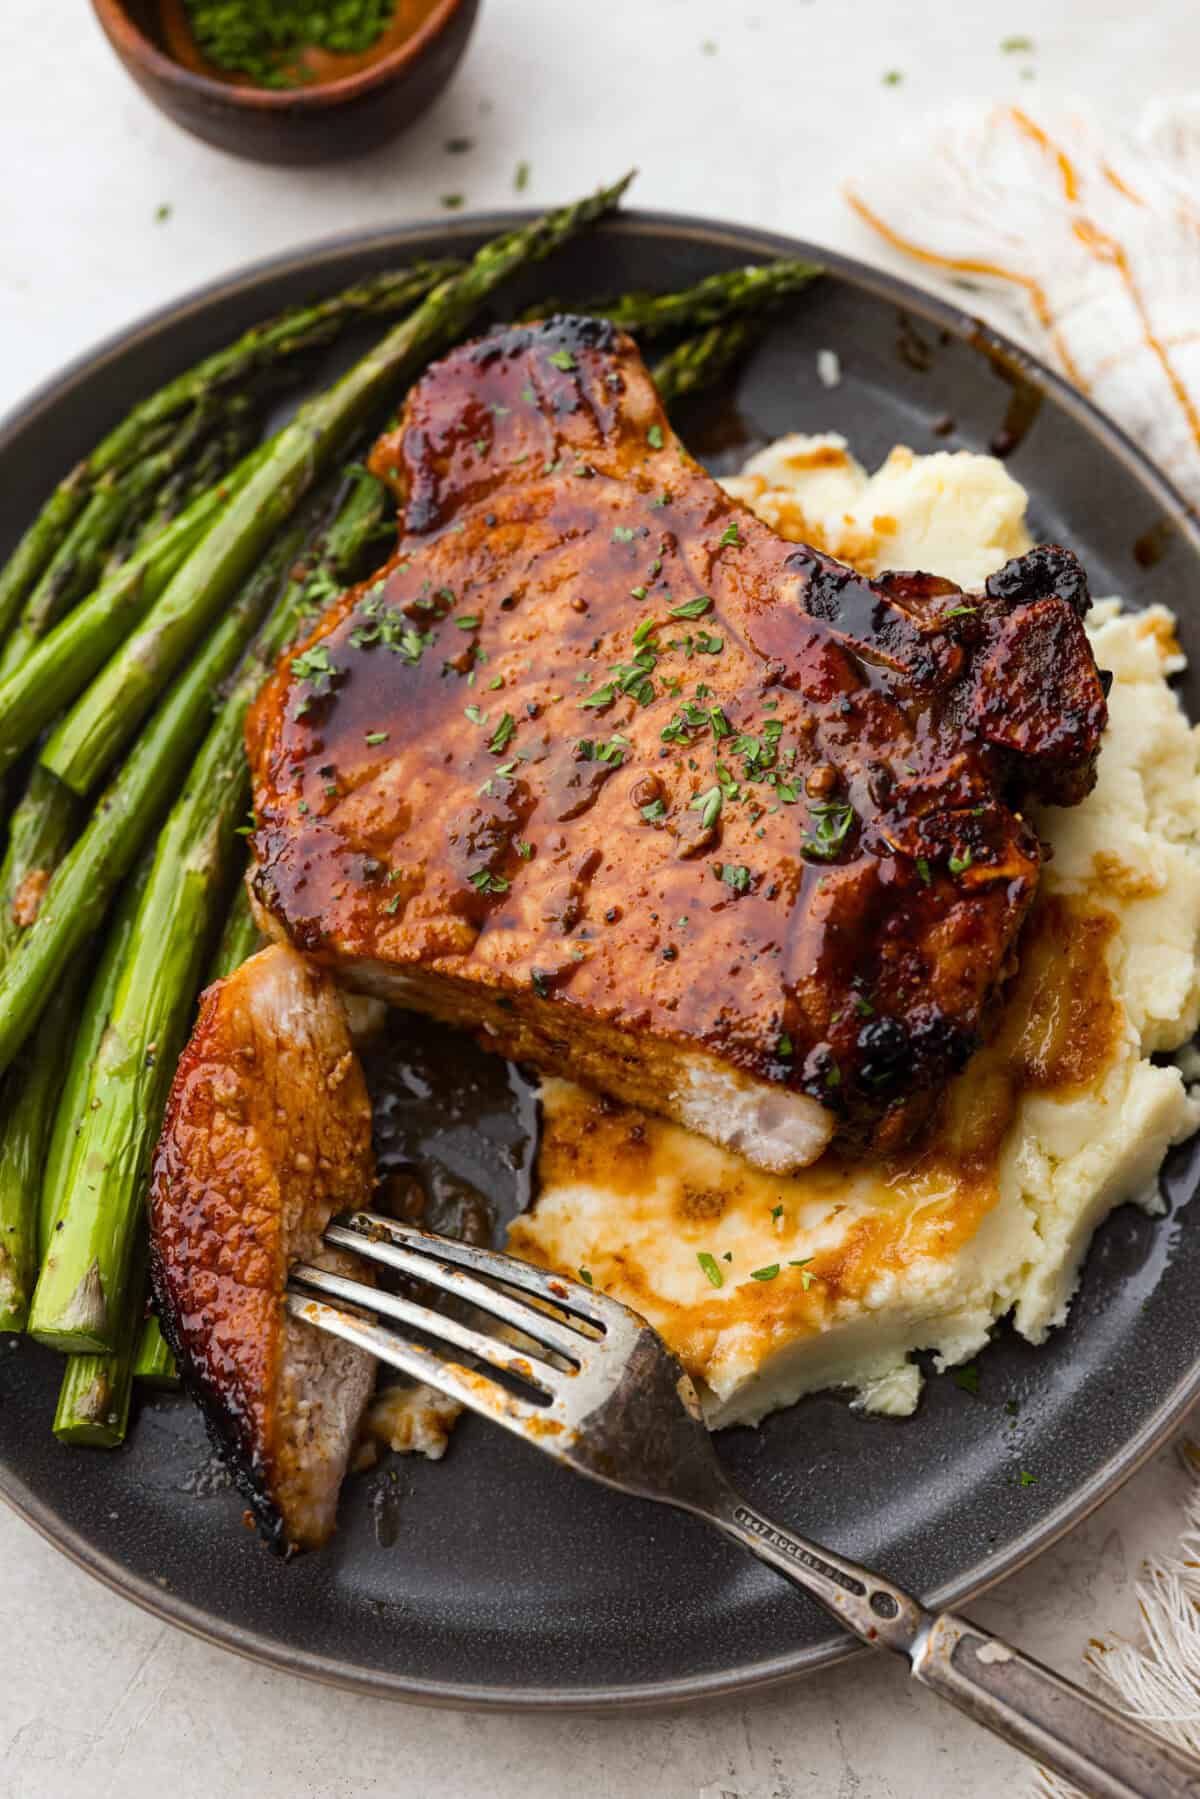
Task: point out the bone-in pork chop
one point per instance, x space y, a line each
267 1134
604 768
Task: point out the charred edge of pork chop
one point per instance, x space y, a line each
854 906
225 1425
267 1134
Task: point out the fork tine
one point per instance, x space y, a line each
473 1390
434 1324
425 1256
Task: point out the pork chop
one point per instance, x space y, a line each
603 767
267 1134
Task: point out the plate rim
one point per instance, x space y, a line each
335 1671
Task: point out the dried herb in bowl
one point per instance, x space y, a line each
268 41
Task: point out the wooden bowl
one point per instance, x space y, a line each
316 123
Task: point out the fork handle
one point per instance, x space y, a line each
1057 1723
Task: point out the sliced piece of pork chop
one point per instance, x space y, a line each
267 1134
602 766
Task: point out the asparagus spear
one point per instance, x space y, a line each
266 346
93 1401
71 572
123 819
26 1118
700 361
24 567
85 1046
67 658
239 939
39 834
153 1362
82 1292
709 302
104 718
214 460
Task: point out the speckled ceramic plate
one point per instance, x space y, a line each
493 1578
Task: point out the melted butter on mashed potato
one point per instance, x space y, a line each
832 1277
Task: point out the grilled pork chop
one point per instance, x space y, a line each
602 766
267 1134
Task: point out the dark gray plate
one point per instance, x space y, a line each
508 1582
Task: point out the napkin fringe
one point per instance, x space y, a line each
1156 1679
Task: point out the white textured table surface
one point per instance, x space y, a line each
750 112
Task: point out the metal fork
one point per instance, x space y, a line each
608 1399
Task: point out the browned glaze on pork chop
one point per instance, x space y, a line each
267 1134
602 766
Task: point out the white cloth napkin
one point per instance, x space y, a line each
1086 235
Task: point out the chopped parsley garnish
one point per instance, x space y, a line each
832 822
654 437
730 538
923 871
967 1377
484 881
893 78
523 849
469 622
708 805
613 751
721 726
765 1274
585 1275
1012 45
634 677
521 177
315 667
960 864
777 1212
622 534
603 696
452 202
734 875
709 1265
654 811
474 714
562 359
692 608
374 737
1027 1479
503 734
958 612
708 645
783 1049
637 593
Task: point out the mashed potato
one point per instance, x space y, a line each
769 1288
